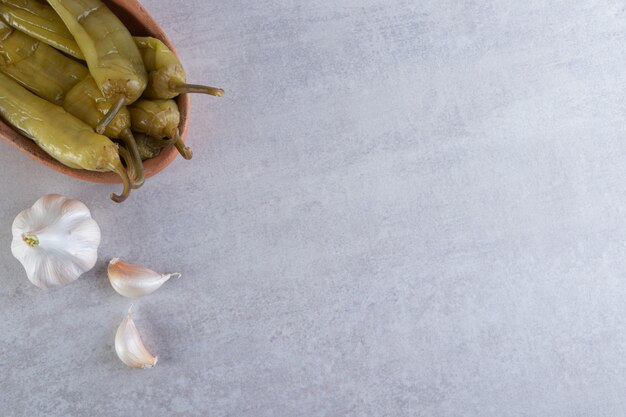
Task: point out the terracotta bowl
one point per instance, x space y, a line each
140 23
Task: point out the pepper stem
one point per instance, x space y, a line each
110 115
196 88
30 239
119 170
162 143
135 157
185 151
128 161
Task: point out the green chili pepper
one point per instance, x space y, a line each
166 74
37 66
63 136
86 102
148 147
111 54
41 22
159 119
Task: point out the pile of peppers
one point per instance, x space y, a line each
74 80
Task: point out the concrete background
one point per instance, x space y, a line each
400 208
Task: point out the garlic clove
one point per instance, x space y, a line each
56 240
129 346
135 281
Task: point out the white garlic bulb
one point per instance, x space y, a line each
56 240
129 346
133 280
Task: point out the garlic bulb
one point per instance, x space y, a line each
56 240
129 346
133 280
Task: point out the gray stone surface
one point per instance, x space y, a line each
401 208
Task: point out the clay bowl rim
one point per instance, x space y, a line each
140 23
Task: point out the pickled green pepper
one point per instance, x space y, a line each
159 119
166 75
110 52
63 136
86 102
148 147
37 66
41 22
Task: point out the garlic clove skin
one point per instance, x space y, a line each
135 281
56 240
129 346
